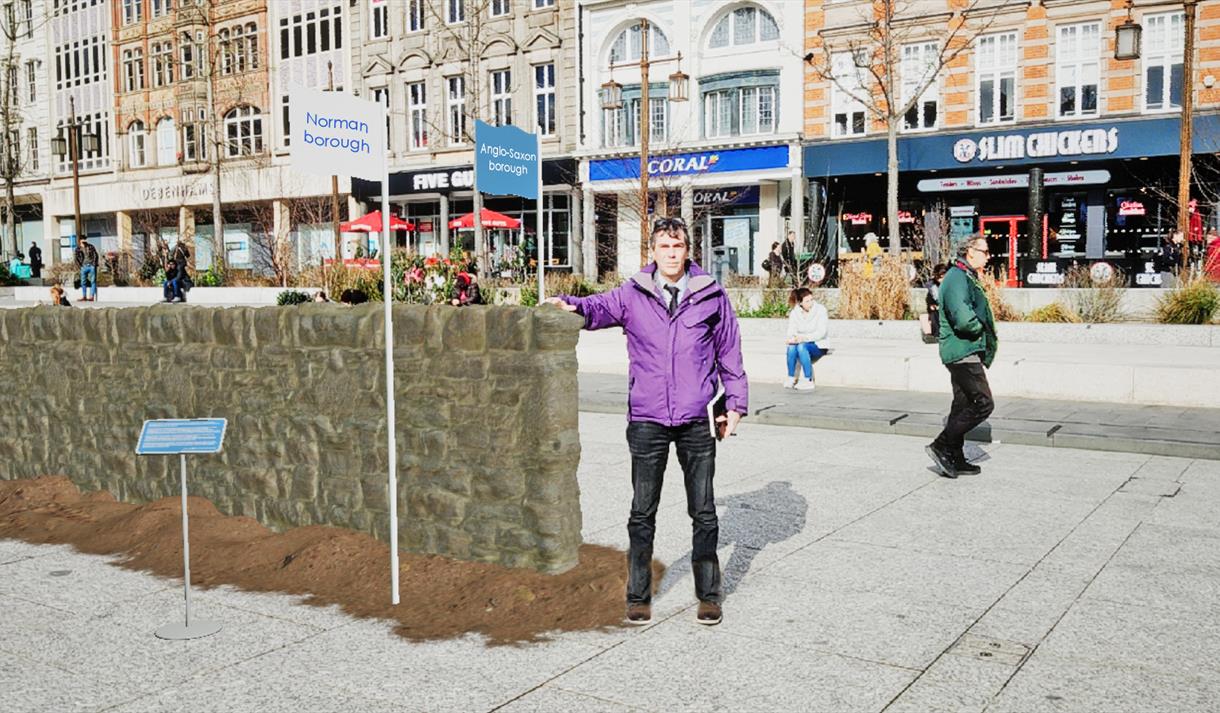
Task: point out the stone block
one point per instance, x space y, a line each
509 329
434 327
466 330
409 325
269 327
556 330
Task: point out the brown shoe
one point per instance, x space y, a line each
709 613
638 614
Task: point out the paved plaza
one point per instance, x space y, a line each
1058 580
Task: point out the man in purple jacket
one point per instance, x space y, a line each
682 339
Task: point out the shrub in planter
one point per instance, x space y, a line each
1053 312
1195 302
292 297
881 293
214 277
7 279
1000 309
1096 298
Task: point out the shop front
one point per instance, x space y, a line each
732 200
433 198
1104 192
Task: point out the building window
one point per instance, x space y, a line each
80 63
285 121
544 98
618 130
31 80
626 47
132 10
186 51
31 143
996 60
757 111
555 227
311 32
252 45
12 76
919 63
381 95
96 123
455 11
161 7
163 63
744 26
133 70
243 132
167 142
456 101
1163 52
137 145
417 114
194 135
415 15
379 19
500 8
1078 68
848 113
539 4
27 10
501 97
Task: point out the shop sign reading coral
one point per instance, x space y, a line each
1044 144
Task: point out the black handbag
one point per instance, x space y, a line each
187 284
76 283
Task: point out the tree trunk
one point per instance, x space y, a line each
891 188
12 155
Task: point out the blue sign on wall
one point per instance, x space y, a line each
506 160
170 436
1055 143
690 164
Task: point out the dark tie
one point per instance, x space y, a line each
673 299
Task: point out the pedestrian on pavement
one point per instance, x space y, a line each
86 261
36 261
1211 260
682 338
932 302
773 263
58 297
967 347
182 259
808 323
790 258
1169 262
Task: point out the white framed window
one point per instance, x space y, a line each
132 11
31 80
621 127
133 69
455 100
381 95
31 143
285 122
849 116
614 132
96 123
226 51
137 145
243 131
743 26
544 98
12 76
186 56
163 63
311 32
455 11
161 7
80 62
379 19
757 115
996 78
194 135
417 115
415 15
919 64
1164 35
626 47
252 45
718 113
238 49
1078 69
501 97
501 8
167 142
27 11
540 4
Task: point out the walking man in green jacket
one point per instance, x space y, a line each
967 348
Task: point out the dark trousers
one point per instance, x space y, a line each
972 404
649 445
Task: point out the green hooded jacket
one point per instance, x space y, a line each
966 323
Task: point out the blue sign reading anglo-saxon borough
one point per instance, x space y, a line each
506 160
170 436
687 164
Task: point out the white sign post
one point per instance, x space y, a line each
333 133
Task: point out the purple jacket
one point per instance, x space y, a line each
675 361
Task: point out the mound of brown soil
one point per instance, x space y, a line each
441 598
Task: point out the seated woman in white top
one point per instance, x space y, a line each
808 323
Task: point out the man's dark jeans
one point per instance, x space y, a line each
972 404
649 445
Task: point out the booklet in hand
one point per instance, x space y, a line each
716 408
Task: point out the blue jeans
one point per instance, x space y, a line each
807 353
88 279
172 289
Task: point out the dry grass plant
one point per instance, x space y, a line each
1194 302
885 294
1055 312
1000 309
1095 300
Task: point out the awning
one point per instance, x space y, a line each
371 223
489 219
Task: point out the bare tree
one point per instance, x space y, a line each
867 63
13 163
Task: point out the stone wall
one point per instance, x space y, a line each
486 404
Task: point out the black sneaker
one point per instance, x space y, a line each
943 460
965 467
638 614
709 613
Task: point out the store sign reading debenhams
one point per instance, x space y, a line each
1045 144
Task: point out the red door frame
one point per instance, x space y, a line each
1011 220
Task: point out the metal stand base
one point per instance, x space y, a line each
180 632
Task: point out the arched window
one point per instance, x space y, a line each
626 47
252 44
226 52
167 142
137 144
744 26
243 131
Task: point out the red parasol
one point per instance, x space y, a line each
371 223
489 219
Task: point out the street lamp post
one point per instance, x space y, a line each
72 148
612 99
1185 139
